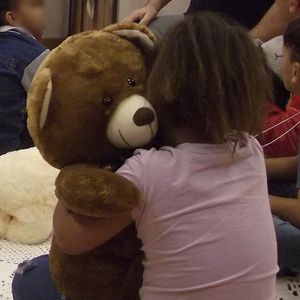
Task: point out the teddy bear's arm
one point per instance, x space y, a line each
91 191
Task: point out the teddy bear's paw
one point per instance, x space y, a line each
5 220
29 227
95 192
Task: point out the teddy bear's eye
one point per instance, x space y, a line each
107 101
131 82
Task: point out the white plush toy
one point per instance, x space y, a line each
273 50
27 198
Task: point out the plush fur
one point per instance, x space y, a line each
74 99
27 198
273 50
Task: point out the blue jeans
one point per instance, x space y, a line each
33 281
288 236
288 243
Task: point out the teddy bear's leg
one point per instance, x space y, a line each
113 271
30 225
5 220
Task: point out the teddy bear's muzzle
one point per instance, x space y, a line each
133 124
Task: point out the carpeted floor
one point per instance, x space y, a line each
11 255
288 288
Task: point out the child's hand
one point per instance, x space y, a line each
142 15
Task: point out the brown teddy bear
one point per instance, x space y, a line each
86 110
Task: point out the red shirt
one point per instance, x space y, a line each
281 135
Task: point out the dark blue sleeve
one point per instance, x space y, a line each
12 106
31 49
29 59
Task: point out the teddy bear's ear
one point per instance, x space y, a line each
46 102
138 35
38 101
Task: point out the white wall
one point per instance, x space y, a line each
175 7
57 18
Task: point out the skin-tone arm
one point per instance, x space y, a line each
286 209
276 20
284 168
273 23
77 234
147 13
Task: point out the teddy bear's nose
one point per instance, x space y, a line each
143 116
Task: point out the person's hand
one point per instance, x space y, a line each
142 15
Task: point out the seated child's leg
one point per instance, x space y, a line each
33 281
288 241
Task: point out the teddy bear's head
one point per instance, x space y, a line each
87 102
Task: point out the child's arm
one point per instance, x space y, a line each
284 168
286 209
77 234
276 19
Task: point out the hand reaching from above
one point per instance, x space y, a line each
142 15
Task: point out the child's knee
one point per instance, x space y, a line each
32 280
22 278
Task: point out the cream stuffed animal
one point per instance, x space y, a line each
27 198
273 50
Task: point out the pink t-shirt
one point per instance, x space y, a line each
204 222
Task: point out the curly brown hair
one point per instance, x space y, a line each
209 77
292 39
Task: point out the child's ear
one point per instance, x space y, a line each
296 74
10 18
294 6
